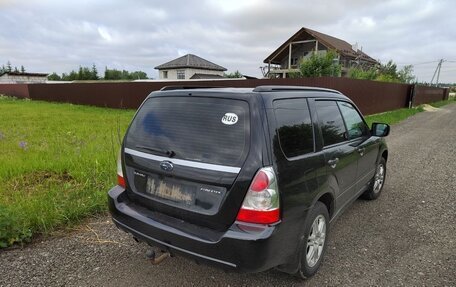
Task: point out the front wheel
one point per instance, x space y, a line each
314 244
377 182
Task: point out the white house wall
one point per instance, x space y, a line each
189 72
16 79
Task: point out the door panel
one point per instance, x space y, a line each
365 145
297 163
341 157
367 161
344 170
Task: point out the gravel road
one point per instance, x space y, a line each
406 237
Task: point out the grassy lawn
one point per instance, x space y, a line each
401 114
57 162
393 116
443 103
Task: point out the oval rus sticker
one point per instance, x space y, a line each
230 119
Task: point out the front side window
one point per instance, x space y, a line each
331 123
180 74
294 127
353 120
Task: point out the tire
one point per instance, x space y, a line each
376 186
314 229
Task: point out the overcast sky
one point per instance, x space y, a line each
58 36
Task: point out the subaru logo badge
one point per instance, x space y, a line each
166 165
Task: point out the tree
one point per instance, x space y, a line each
70 77
388 72
138 75
406 74
94 73
54 77
83 73
236 75
320 64
8 67
86 73
113 74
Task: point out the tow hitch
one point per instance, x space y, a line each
154 259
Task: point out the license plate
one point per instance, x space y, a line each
170 191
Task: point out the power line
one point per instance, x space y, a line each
423 63
420 63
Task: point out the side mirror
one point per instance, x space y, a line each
380 130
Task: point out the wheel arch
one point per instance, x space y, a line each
384 154
328 200
382 151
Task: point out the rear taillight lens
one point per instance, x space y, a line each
120 177
261 203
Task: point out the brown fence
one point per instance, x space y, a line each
370 96
16 90
425 95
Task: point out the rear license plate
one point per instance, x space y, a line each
170 191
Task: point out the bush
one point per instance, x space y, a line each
357 73
11 230
319 65
384 73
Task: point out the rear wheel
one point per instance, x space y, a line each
377 182
314 244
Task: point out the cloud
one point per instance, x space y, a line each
47 36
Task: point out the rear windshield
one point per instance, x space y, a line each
209 130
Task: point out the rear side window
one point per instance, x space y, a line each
331 122
294 126
209 130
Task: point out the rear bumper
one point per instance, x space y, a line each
242 248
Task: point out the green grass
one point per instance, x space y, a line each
57 162
443 103
396 116
392 117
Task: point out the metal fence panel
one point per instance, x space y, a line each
370 96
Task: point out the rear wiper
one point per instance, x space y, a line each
168 153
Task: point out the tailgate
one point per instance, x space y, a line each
183 154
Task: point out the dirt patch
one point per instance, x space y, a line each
429 108
38 180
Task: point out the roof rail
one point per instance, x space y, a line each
171 88
292 88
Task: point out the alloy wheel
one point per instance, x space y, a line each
316 240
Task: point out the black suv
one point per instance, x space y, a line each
246 179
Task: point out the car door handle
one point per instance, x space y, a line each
333 162
361 151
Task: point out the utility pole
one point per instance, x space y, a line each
437 71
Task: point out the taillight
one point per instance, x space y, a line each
120 177
261 203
